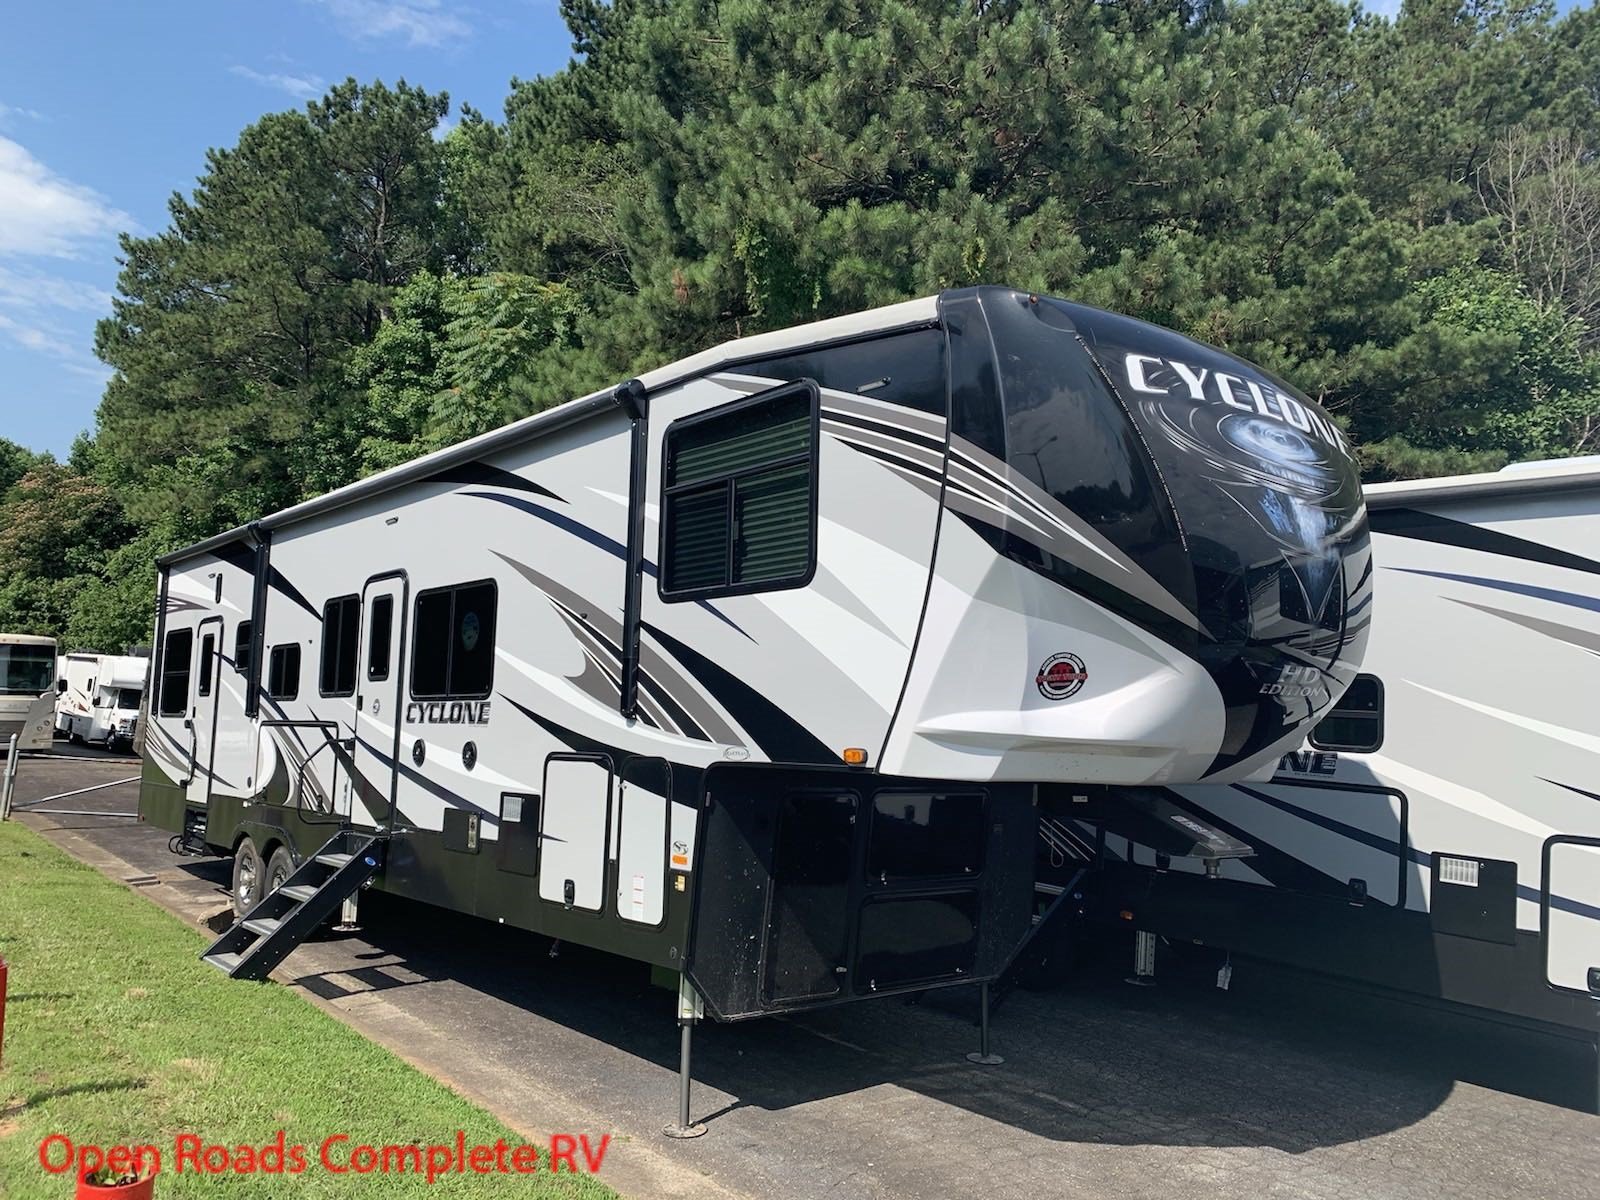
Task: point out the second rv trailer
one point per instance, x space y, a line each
1459 858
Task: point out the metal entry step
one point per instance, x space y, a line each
270 931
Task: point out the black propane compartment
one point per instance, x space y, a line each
818 887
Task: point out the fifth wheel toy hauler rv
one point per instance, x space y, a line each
760 668
1460 859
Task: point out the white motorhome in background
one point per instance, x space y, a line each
27 690
1460 860
100 697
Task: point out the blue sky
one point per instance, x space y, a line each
107 108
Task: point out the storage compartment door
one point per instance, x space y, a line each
574 833
1572 914
642 841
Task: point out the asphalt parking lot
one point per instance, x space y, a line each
1279 1087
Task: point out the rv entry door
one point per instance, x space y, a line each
379 699
202 722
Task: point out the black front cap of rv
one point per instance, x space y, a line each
1233 491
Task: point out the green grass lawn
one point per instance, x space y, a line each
117 1033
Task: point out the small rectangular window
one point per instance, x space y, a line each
208 654
1355 724
918 834
242 645
283 672
378 638
341 620
430 645
452 647
739 496
175 672
904 368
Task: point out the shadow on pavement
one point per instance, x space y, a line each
1276 1062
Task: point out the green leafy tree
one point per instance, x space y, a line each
462 356
15 462
1518 384
235 327
57 531
1397 215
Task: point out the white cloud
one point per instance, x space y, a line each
11 113
42 216
419 22
96 371
32 290
46 214
40 340
301 87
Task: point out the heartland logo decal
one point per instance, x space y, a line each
1062 675
447 712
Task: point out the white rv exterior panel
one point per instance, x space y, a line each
641 855
572 836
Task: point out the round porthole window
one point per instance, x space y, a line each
469 755
418 752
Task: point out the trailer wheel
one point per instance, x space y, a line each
248 875
279 867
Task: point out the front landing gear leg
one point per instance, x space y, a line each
1144 960
982 1056
688 1013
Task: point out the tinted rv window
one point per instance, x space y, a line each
378 638
905 369
175 672
341 618
242 647
27 670
1355 724
452 651
921 833
740 497
283 672
208 655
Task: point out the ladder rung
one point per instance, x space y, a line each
261 926
298 892
334 860
223 962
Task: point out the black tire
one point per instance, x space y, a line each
279 867
248 875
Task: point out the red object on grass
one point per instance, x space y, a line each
144 1189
